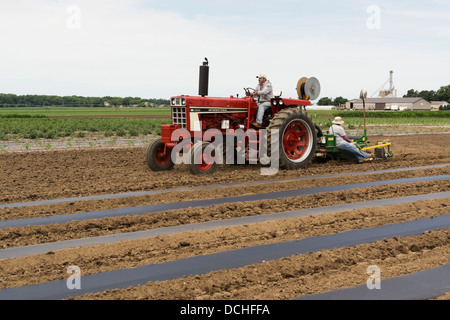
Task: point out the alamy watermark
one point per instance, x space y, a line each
74 281
374 20
73 22
238 144
374 280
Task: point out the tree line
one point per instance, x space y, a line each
325 101
12 100
443 94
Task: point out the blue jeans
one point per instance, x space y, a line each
262 107
350 147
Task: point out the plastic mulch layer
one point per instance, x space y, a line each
204 203
208 187
15 252
423 285
124 278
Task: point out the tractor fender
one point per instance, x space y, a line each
295 102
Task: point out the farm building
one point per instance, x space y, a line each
389 104
436 104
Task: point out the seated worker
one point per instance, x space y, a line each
343 142
264 92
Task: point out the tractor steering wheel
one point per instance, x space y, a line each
248 93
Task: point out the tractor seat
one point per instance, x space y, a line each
268 112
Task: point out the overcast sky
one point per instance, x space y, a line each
153 49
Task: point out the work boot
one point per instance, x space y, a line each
256 125
366 160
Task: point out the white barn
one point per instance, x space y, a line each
392 103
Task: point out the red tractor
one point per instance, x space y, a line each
195 117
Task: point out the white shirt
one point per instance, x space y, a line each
339 133
265 91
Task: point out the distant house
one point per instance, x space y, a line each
388 104
436 104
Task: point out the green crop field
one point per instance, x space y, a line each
50 128
385 118
36 122
83 111
350 121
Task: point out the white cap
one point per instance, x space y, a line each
338 120
262 75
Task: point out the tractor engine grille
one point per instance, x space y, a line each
179 116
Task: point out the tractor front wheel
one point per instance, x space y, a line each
203 158
158 157
296 135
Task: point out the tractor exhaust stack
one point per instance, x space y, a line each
203 79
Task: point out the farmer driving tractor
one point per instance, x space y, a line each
264 92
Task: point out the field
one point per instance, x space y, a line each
31 124
234 235
85 111
23 129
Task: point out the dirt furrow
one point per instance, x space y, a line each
100 258
292 277
55 174
21 236
177 196
36 175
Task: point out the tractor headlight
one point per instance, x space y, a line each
275 102
178 101
281 102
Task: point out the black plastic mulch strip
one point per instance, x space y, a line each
207 187
197 265
203 203
16 252
423 285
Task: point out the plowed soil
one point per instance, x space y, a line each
30 176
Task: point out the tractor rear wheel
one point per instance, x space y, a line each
297 138
156 158
203 161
